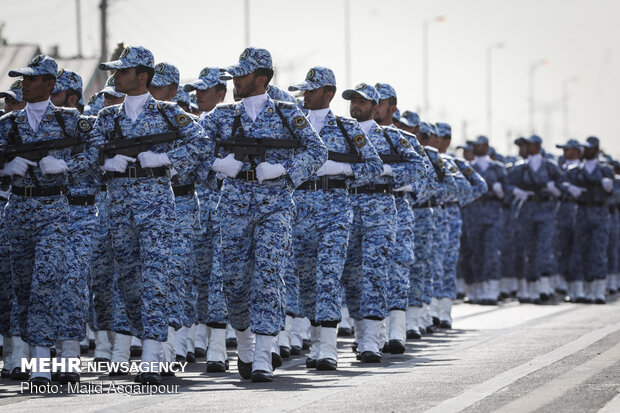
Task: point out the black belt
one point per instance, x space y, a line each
137 172
436 205
592 204
81 200
452 203
400 194
540 198
424 205
323 185
183 190
372 189
247 175
30 191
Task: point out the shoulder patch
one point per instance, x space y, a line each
359 140
84 125
284 105
20 118
183 119
405 143
468 172
453 170
300 122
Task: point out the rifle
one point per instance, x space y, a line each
243 147
344 157
35 151
390 158
133 146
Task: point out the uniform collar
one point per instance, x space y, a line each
318 118
254 105
590 165
133 106
35 112
367 125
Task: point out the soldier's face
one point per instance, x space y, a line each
165 93
408 128
384 112
246 86
468 154
208 98
317 99
64 99
532 148
590 153
36 88
523 150
362 109
481 150
11 104
571 154
127 81
109 100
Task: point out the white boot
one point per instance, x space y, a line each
370 340
345 323
7 353
545 286
522 290
493 290
38 353
383 334
21 351
445 310
217 345
275 346
412 319
533 290
588 290
397 331
578 290
168 353
262 353
613 282
200 336
460 286
359 331
181 341
427 318
70 350
285 336
328 353
103 344
151 353
599 291
245 345
121 348
297 332
315 341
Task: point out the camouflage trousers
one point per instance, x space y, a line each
37 231
320 240
402 259
565 239
73 298
371 242
141 216
592 235
182 299
441 237
6 289
209 282
420 276
536 226
484 236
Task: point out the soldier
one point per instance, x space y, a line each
485 232
565 227
375 219
37 214
324 214
83 185
591 184
398 281
143 239
444 287
535 185
256 205
13 99
210 91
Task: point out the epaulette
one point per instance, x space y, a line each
519 162
284 105
459 159
431 149
64 110
497 163
167 105
408 134
552 161
109 110
348 121
226 106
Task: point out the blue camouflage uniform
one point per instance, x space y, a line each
324 212
211 300
37 215
375 220
536 217
255 217
143 238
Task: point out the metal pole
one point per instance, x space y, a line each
79 27
425 67
104 30
532 109
347 42
246 13
489 114
565 107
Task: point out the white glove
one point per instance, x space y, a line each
608 184
266 171
51 166
17 166
553 189
335 168
118 163
387 170
575 191
5 194
522 195
150 159
406 188
228 166
498 190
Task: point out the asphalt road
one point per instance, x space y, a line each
509 358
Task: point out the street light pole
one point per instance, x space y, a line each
425 23
532 102
246 14
347 42
489 86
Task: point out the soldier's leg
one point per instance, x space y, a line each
420 274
